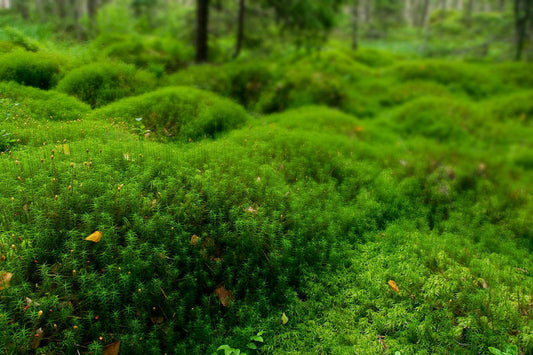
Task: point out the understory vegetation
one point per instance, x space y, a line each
324 201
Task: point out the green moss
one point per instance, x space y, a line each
473 80
32 69
98 84
42 104
517 106
177 112
438 118
206 77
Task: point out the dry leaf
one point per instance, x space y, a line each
284 318
224 295
37 337
5 279
195 239
251 210
95 237
112 349
157 319
393 285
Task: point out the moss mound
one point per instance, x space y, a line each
471 79
177 112
438 118
44 104
98 84
206 77
32 69
515 106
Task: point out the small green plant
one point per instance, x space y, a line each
5 140
255 341
511 349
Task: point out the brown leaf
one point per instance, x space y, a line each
393 285
112 349
157 319
95 237
5 279
224 295
37 337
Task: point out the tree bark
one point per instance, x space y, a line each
240 28
469 8
522 13
202 21
22 7
92 8
355 23
424 13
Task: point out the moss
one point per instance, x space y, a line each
474 80
43 104
438 118
517 106
33 69
98 84
177 112
156 54
206 77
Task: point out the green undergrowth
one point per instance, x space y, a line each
38 103
181 113
384 207
98 84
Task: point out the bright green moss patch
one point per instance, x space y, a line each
98 84
438 118
177 112
517 106
32 69
473 80
41 104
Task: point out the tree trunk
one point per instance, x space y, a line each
92 8
240 28
522 12
202 21
469 8
22 7
424 13
355 19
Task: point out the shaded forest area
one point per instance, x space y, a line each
266 177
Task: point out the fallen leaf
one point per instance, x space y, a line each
5 279
37 337
157 319
95 237
224 295
251 210
195 239
284 318
66 149
393 285
112 349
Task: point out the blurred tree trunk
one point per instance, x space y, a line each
202 21
92 8
522 14
355 24
469 8
22 7
240 28
423 13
